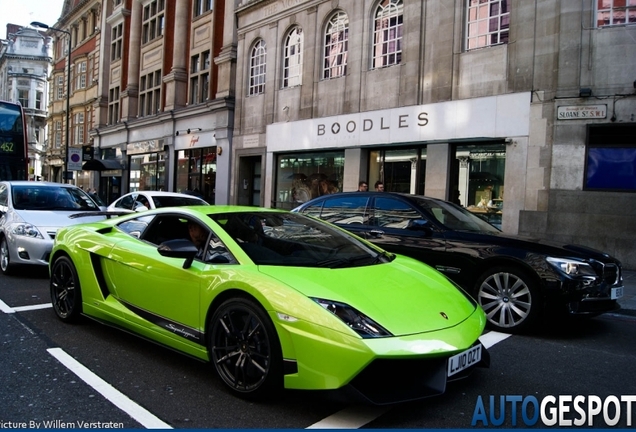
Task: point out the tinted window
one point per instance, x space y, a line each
173 201
126 202
136 227
346 210
37 197
455 217
393 213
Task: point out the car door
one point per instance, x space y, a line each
156 288
398 226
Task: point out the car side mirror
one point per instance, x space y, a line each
179 248
418 225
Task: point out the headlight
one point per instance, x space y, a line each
572 267
358 322
26 230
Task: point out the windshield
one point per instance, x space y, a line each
291 239
39 197
455 217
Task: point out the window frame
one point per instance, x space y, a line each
150 86
113 105
117 37
502 31
293 58
391 12
199 86
611 11
257 68
153 21
338 62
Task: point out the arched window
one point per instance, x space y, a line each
257 68
293 61
336 46
387 34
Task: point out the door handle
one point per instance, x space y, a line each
376 233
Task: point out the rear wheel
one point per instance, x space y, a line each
509 298
66 294
5 259
245 349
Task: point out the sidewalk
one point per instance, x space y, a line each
628 301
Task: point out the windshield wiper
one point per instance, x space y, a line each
383 255
340 262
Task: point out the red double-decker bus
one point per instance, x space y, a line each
14 158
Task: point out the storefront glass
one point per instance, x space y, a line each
479 179
301 177
147 172
196 172
401 170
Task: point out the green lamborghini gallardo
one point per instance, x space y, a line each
272 300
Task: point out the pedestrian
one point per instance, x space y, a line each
363 186
379 186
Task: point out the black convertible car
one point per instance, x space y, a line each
514 279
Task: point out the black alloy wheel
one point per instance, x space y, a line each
245 349
66 294
508 298
5 258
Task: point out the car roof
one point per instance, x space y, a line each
375 194
162 193
38 183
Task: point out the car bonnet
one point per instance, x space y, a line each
405 297
53 219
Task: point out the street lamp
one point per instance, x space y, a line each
68 91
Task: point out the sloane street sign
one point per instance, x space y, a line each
578 112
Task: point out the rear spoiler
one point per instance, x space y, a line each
108 214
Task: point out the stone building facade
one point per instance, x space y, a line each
526 108
24 69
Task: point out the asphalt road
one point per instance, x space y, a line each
128 382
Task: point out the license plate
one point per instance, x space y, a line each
617 293
464 360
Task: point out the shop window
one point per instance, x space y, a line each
478 179
301 177
610 158
196 173
401 170
147 172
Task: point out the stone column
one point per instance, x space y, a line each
177 80
130 95
226 60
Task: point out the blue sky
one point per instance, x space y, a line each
22 12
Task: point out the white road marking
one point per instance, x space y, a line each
491 338
121 401
5 308
32 307
355 416
352 417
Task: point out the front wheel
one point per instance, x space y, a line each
245 349
509 298
5 258
66 294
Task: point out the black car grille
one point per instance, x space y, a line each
392 380
611 274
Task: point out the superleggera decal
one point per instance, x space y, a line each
174 327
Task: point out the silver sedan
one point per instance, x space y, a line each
30 215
